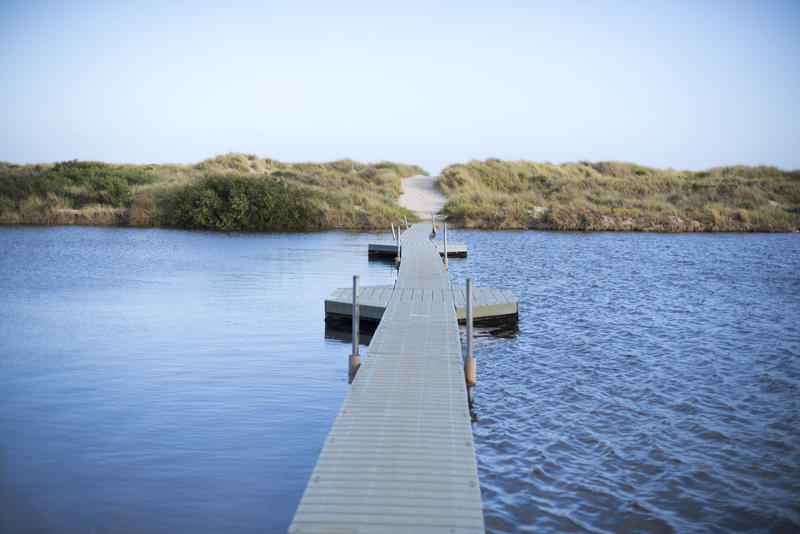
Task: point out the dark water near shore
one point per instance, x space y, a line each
164 381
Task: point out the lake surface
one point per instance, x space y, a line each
168 381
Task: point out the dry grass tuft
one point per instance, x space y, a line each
612 195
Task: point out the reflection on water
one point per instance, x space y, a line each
164 381
506 329
343 331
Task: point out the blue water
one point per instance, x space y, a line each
167 381
654 384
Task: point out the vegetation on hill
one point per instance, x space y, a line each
620 196
243 192
229 192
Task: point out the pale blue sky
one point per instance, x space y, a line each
670 84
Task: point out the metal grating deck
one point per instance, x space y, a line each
400 456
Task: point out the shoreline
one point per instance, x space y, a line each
239 192
358 229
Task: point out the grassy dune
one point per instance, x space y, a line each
244 192
620 196
229 192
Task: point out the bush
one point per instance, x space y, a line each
231 191
78 183
243 202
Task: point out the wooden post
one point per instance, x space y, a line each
405 220
446 267
470 371
433 222
392 230
355 360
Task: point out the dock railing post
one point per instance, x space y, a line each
355 360
397 258
470 373
445 246
405 220
392 229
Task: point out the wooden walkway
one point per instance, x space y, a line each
400 456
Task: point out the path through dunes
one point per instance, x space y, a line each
421 196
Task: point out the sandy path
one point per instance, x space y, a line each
421 196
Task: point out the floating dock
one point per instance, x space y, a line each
400 456
389 249
489 305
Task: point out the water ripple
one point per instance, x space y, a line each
652 386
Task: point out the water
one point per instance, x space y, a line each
653 386
166 381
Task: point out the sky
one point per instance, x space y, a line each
688 85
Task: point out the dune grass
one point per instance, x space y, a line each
245 192
229 192
620 196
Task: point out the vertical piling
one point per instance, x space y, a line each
433 223
405 220
397 258
446 267
392 230
470 372
355 360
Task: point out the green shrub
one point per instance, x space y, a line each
79 183
231 191
243 202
